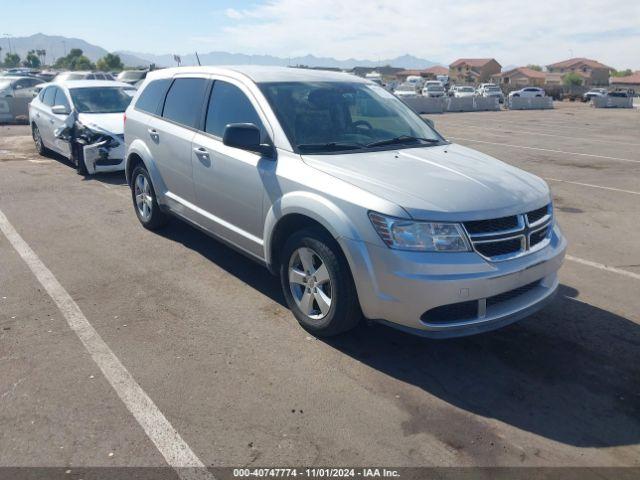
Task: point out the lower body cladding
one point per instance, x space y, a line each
104 156
443 295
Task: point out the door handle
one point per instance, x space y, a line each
153 133
201 152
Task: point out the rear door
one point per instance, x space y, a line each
58 122
169 135
43 116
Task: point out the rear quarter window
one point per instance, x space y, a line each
151 97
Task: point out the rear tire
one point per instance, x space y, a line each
317 283
144 200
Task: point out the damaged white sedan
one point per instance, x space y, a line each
83 121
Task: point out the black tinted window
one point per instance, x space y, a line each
152 96
229 105
184 101
49 95
61 99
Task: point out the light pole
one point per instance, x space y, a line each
8 40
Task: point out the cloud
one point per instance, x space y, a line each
512 31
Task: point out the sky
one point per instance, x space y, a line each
512 31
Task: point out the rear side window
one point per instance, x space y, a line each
49 95
151 97
184 101
228 104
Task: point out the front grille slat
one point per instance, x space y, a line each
506 237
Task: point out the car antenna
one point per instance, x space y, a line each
198 58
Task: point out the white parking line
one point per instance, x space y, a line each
601 266
507 131
168 441
593 186
546 150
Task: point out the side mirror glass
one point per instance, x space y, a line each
60 110
245 136
430 122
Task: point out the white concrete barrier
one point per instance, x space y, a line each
471 104
534 103
422 105
612 102
14 109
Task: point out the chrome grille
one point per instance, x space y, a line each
509 237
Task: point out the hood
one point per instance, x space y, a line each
447 182
112 123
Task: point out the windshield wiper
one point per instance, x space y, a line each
331 146
402 139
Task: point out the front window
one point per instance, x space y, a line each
323 117
466 89
101 99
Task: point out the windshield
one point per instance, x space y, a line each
101 99
492 89
466 89
435 88
322 117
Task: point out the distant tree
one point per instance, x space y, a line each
32 60
110 62
75 60
572 79
537 68
42 55
12 60
621 73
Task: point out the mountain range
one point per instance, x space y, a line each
57 46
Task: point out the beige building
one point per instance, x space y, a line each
473 70
593 73
520 77
630 82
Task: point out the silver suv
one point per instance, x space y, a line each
354 201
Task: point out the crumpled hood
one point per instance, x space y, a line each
112 123
441 182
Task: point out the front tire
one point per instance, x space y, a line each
144 200
37 139
317 283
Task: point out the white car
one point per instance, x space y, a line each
462 92
528 92
66 76
491 90
82 120
433 89
405 90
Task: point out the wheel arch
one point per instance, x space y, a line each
138 153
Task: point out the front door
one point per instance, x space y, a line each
229 181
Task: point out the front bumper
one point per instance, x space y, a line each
399 288
99 158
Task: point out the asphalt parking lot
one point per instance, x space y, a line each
204 332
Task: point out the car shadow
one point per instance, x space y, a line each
570 373
225 257
110 178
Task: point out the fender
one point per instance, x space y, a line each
311 205
139 148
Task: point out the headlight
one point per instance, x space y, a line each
401 234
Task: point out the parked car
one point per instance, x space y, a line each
82 120
463 91
15 94
357 203
433 90
491 90
66 76
406 90
132 76
594 92
528 92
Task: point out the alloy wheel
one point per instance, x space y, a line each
310 283
144 200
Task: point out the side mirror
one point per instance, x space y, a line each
245 136
60 110
430 122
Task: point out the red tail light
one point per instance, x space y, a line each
125 119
